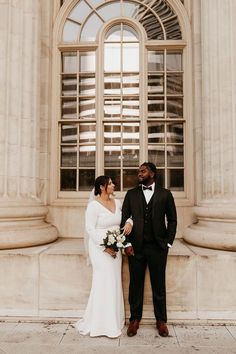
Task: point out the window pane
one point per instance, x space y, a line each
156 133
156 154
95 2
110 11
155 61
91 28
69 62
174 107
129 34
112 84
130 179
131 57
87 62
175 180
115 176
156 84
80 11
87 85
69 85
87 133
112 108
130 108
155 107
130 84
175 83
87 108
68 180
112 133
86 180
131 133
69 108
70 32
131 156
174 61
112 57
68 156
172 28
114 34
175 156
133 10
163 10
152 26
87 156
175 133
112 156
68 133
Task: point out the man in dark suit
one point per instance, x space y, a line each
153 212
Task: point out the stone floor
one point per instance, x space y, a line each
52 338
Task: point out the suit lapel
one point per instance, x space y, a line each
156 195
140 200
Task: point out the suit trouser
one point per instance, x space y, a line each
155 258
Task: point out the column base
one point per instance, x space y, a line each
216 228
25 226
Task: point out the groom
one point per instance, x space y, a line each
153 211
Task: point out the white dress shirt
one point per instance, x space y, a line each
147 193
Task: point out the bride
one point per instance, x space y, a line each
104 314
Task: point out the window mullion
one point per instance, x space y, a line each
99 79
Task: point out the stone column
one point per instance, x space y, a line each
216 197
22 214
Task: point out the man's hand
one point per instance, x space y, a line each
129 251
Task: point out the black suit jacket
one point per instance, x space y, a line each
164 219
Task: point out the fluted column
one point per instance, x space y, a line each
22 214
216 207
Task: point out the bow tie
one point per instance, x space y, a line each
147 188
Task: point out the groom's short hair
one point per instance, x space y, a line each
151 167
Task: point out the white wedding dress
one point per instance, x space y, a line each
104 314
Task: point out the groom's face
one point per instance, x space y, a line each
145 176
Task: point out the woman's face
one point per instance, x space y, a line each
110 187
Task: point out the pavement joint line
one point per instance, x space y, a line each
2 351
64 334
176 335
230 332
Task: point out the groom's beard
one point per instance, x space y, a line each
145 181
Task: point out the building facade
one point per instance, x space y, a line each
91 87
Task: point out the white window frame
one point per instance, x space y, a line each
58 197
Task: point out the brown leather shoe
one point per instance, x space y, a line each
162 328
133 328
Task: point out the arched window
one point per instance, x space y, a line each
122 93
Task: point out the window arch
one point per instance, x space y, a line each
122 93
88 16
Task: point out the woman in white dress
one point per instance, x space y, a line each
104 314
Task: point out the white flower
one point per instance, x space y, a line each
119 244
123 238
111 239
119 238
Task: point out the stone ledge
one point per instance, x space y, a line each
54 281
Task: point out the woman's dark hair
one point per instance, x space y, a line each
100 181
151 168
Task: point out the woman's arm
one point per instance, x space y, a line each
91 217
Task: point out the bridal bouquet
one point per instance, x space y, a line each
114 239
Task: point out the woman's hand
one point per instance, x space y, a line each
127 228
110 251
